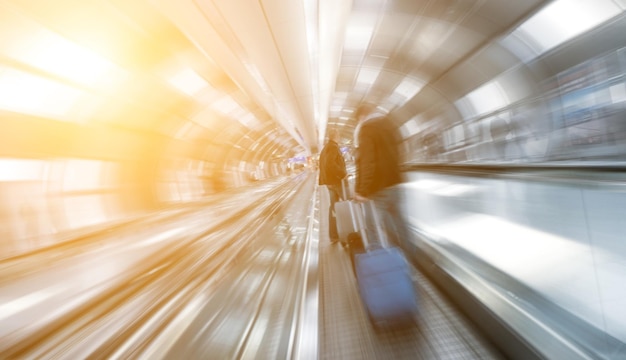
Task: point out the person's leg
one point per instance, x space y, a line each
371 231
388 203
332 219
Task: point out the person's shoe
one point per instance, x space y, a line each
334 240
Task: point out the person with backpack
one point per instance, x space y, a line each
332 172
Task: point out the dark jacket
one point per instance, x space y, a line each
377 160
332 165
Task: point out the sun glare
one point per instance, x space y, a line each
25 93
63 58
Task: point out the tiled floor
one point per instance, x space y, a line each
345 330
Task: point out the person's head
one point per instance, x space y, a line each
333 134
363 111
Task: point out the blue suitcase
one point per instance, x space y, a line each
383 276
386 287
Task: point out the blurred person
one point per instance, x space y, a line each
499 130
378 170
332 172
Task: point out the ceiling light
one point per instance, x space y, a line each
225 105
559 22
408 88
359 32
25 93
21 170
487 98
367 76
189 82
409 129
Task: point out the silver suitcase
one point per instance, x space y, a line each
345 214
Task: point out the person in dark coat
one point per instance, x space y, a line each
378 170
332 172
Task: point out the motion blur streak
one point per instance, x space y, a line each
158 164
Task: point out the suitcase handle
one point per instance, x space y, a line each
345 188
364 209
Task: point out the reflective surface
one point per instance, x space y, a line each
172 287
561 241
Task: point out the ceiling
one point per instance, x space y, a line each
309 63
273 74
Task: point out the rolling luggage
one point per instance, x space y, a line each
355 246
345 214
383 275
